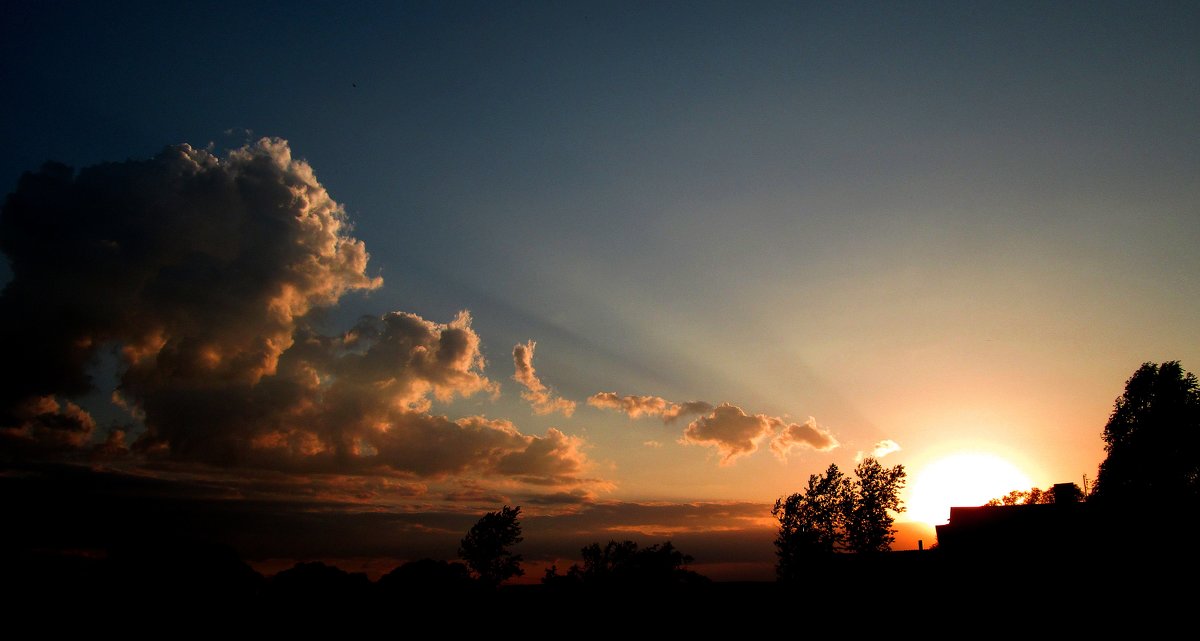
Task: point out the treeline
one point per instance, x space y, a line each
214 577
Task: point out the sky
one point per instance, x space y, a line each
640 268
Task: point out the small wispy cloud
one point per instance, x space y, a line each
881 449
638 406
541 397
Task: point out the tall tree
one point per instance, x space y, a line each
876 495
485 548
1153 439
812 522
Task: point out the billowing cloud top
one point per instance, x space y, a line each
201 271
201 263
730 430
544 400
801 435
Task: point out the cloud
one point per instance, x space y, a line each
42 426
357 404
726 427
730 430
199 263
433 446
470 493
561 499
404 358
806 435
201 273
679 410
541 397
637 406
553 459
881 449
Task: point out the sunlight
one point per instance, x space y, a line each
962 479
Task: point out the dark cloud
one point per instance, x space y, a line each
41 425
637 406
192 264
201 272
468 493
731 431
571 498
76 507
431 445
554 458
806 435
542 398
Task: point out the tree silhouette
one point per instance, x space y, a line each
812 523
836 514
624 564
1035 496
876 494
427 577
316 582
1153 439
485 547
1057 493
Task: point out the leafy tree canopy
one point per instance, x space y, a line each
835 513
1059 493
1153 439
485 548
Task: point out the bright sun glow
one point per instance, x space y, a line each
962 480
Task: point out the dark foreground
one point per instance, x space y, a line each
210 590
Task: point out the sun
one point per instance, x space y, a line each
963 479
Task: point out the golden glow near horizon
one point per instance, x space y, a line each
961 479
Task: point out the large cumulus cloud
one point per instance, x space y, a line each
201 272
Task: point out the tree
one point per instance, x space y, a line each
624 564
876 495
836 514
812 523
485 547
1057 493
426 577
1152 439
1035 496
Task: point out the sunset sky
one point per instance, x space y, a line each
640 268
